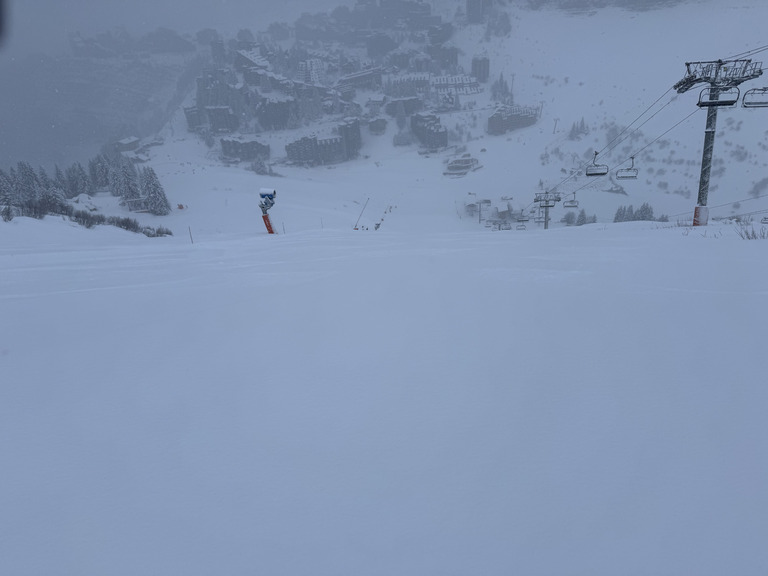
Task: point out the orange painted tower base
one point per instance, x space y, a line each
268 223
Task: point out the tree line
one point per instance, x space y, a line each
25 191
644 213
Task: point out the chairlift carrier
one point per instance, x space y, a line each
718 96
596 169
755 98
572 203
627 173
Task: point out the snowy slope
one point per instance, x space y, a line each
431 397
584 401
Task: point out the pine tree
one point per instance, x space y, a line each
621 214
645 212
27 184
52 201
77 181
582 218
98 171
574 133
6 197
6 189
131 190
152 190
60 181
44 179
116 184
123 178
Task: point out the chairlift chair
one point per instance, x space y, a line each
755 98
520 227
627 173
572 203
718 96
596 169
764 220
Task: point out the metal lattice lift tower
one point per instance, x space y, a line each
723 78
547 200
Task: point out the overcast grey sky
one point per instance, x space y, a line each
46 24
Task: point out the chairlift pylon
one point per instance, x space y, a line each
627 173
755 98
715 96
596 169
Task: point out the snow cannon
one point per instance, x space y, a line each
267 196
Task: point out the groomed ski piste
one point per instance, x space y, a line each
423 397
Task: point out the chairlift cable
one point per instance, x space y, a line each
765 211
741 200
664 133
595 179
748 53
638 118
640 126
583 164
730 203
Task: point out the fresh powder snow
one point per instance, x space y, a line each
423 395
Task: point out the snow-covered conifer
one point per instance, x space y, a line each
151 189
131 192
78 181
98 170
27 183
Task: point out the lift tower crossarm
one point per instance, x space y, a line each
719 73
723 77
